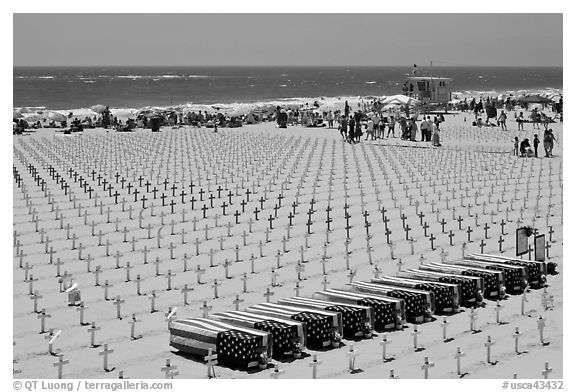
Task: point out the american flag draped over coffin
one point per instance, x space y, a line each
353 316
468 286
236 346
389 313
493 280
537 270
446 295
515 276
419 303
284 332
320 324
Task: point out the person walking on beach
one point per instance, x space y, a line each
516 146
536 143
343 127
369 130
548 142
502 120
351 130
520 121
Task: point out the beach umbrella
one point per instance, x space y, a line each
534 99
98 108
26 110
54 116
16 115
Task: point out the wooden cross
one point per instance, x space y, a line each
426 366
237 302
35 297
415 334
547 370
276 372
383 344
351 354
473 317
541 322
92 330
444 325
205 309
314 365
497 309
215 287
152 297
104 353
489 343
132 323
459 354
118 302
432 238
169 370
443 255
61 362
500 241
299 270
516 336
524 299
482 246
199 273
268 294
550 232
325 282
351 275
42 316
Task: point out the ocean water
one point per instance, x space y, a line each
62 88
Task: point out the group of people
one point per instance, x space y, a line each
523 149
352 127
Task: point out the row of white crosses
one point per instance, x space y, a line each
112 206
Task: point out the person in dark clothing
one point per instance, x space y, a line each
351 130
343 127
524 145
536 143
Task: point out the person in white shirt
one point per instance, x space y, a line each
369 129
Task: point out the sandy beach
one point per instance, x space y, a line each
473 176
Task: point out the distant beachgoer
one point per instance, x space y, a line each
536 143
423 129
436 136
516 145
369 130
534 116
520 121
502 121
391 127
343 127
523 147
330 118
351 130
548 142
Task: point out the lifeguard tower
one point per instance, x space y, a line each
428 89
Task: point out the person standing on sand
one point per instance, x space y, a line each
520 121
343 127
436 136
502 121
330 119
548 142
391 127
536 143
369 130
351 130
